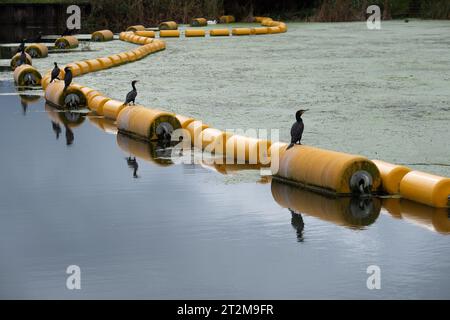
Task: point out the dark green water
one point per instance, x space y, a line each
188 231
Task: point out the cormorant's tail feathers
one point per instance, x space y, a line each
290 146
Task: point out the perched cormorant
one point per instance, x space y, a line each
22 58
55 72
297 129
131 96
67 77
21 46
68 32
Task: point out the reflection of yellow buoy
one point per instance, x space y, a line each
168 25
219 32
71 97
391 175
435 219
26 75
328 171
146 124
37 50
199 22
194 33
65 118
102 35
103 124
344 211
66 42
16 58
426 188
142 150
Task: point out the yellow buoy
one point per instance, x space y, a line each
146 124
227 19
94 65
219 32
97 102
102 35
267 22
184 121
241 31
105 62
37 50
83 66
328 171
247 149
391 175
168 25
26 75
426 188
259 30
71 97
135 28
199 22
66 42
112 108
16 58
169 33
195 128
146 33
194 33
214 140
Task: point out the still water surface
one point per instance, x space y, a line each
68 195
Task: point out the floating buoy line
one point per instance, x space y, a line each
324 171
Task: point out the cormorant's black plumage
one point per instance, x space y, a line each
23 58
67 77
21 46
131 96
297 129
55 72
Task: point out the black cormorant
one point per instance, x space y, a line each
21 46
297 129
67 77
55 72
22 58
131 96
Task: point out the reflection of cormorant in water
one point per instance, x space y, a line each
69 135
132 163
24 106
298 224
56 128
